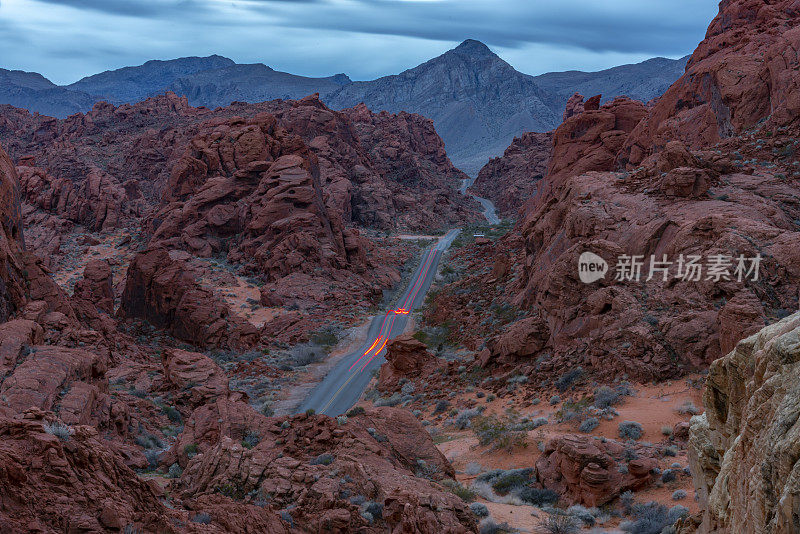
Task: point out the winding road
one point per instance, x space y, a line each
344 384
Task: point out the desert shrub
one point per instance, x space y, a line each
555 399
148 441
59 430
626 500
464 418
266 409
479 509
688 408
666 430
341 419
473 468
512 480
457 489
251 439
630 430
582 514
202 518
604 397
358 410
492 431
670 451
568 379
535 401
172 414
152 456
557 522
678 495
323 459
668 476
676 512
310 412
490 526
650 518
408 388
441 407
394 400
539 497
175 471
589 424
375 509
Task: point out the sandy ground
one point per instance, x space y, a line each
654 406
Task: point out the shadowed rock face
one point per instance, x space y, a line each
510 180
11 283
741 450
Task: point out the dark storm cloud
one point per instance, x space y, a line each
144 9
657 26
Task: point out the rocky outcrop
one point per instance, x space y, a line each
161 289
510 180
11 271
193 378
406 150
72 484
406 357
742 450
293 461
744 71
99 201
586 471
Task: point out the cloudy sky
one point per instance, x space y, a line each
68 39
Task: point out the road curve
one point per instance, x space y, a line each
345 383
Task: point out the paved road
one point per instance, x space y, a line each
345 383
489 210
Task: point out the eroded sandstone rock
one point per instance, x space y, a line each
742 450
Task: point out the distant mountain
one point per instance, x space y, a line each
33 91
132 84
640 81
477 101
250 83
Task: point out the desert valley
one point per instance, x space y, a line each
455 299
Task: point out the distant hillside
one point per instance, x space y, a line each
33 91
132 84
477 101
640 81
250 83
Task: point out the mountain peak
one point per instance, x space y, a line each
474 48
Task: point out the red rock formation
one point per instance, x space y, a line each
585 471
510 180
574 106
11 278
161 289
285 464
406 357
50 485
93 298
421 180
744 71
194 378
